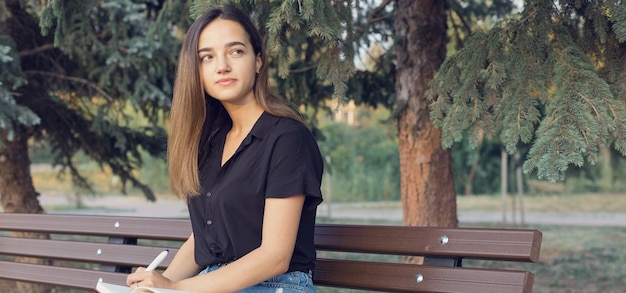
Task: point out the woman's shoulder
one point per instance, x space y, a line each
288 125
271 126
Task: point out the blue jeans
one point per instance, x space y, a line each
292 282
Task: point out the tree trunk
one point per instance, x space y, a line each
607 176
469 182
17 192
426 183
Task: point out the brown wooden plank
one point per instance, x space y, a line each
501 244
58 276
140 227
399 277
101 253
386 277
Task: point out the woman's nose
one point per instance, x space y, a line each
223 65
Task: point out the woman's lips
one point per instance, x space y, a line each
226 81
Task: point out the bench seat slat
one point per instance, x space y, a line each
500 244
101 253
58 276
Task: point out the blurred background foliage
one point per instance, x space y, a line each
363 163
357 131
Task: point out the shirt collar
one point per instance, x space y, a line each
263 125
260 129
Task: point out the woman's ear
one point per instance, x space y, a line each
259 63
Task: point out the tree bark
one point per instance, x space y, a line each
426 183
17 192
469 182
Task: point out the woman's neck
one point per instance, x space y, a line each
243 116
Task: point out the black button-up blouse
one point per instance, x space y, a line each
279 158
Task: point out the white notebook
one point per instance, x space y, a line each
112 288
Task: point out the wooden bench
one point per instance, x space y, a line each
112 245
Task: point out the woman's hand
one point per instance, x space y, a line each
143 278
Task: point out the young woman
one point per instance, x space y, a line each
246 164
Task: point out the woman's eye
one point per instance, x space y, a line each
237 52
205 57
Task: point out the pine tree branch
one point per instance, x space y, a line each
74 79
595 111
37 50
519 24
467 26
455 27
372 18
377 19
303 69
378 10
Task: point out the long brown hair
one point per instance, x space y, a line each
195 115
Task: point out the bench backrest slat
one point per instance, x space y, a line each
502 244
389 277
400 277
58 276
101 253
138 227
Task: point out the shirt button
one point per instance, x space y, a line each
209 222
208 194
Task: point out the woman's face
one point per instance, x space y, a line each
228 64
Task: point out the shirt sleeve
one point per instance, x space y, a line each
296 166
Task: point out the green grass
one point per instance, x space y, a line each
564 203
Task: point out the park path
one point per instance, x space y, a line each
376 211
393 212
